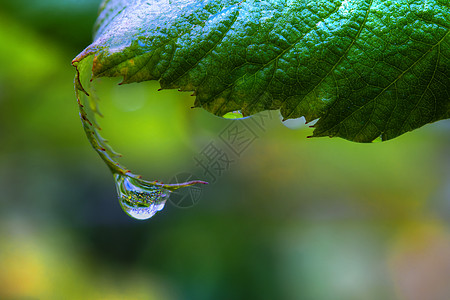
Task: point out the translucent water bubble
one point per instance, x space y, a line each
139 199
237 114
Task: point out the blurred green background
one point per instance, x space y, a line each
293 218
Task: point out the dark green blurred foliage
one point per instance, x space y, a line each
293 218
69 22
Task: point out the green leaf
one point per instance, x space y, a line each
366 68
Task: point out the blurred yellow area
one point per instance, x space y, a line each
48 267
289 218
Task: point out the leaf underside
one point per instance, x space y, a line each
366 68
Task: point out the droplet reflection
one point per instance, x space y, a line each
138 198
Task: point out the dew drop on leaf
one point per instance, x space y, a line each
139 199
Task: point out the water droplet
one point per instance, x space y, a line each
234 115
138 198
